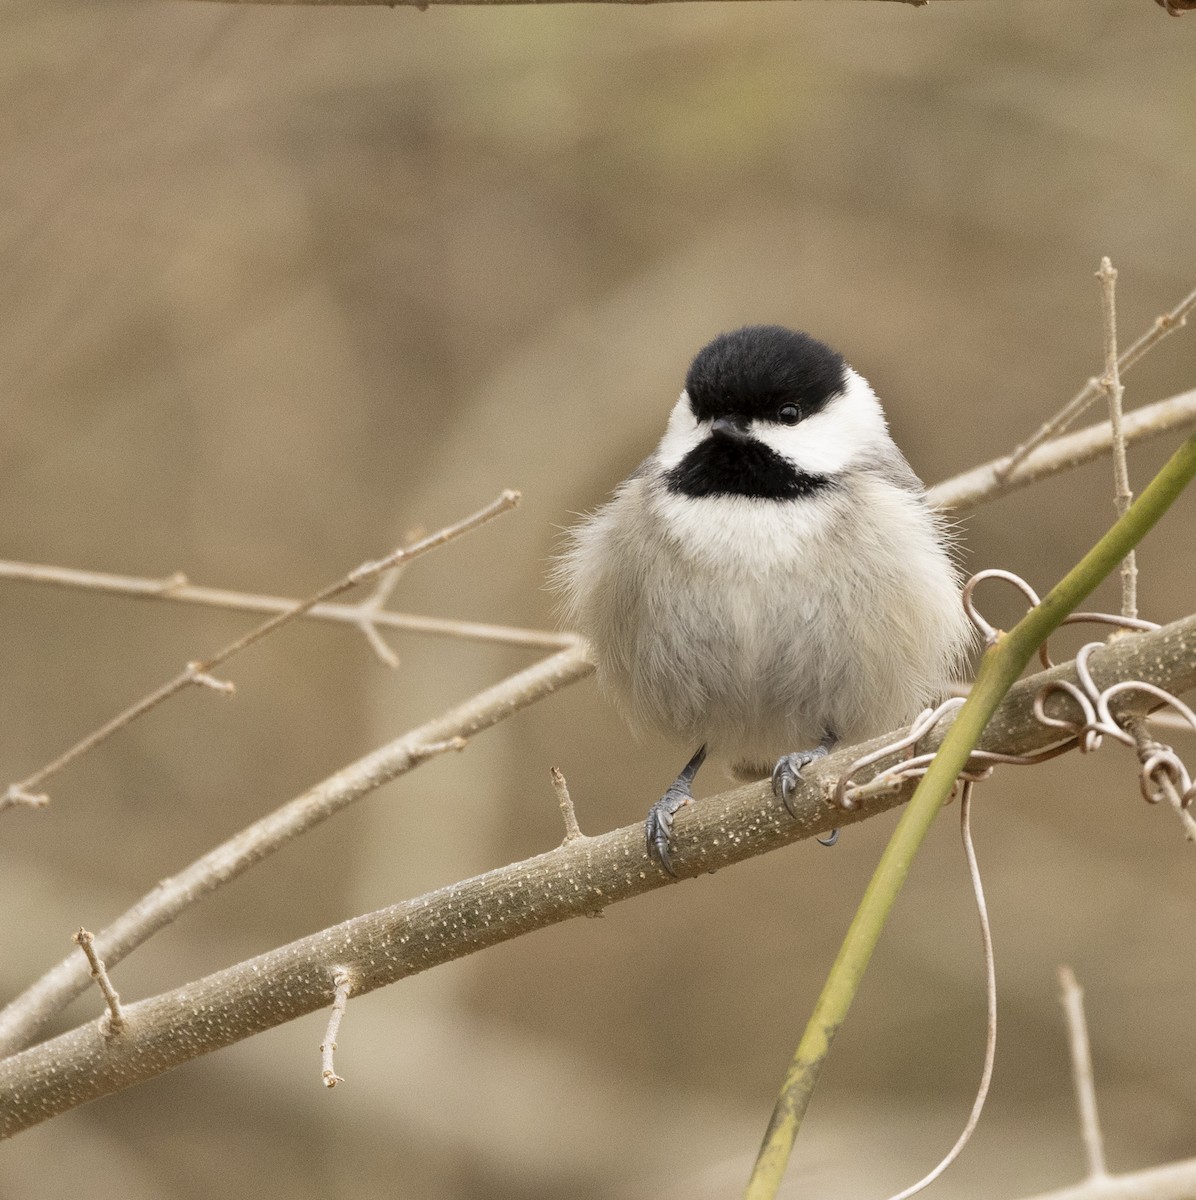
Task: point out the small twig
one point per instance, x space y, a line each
115 1021
1111 383
367 615
178 589
986 482
15 796
572 829
421 753
1072 998
1092 390
343 982
1173 1181
200 677
200 672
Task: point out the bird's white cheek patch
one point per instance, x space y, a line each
825 443
681 435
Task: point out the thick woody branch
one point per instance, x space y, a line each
579 878
21 1020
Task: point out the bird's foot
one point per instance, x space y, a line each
787 774
658 828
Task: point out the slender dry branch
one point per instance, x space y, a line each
200 672
1071 996
581 877
1123 497
1175 1181
176 588
1094 388
422 4
116 1020
342 981
25 1015
969 490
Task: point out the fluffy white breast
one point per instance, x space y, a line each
728 535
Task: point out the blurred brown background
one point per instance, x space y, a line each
279 284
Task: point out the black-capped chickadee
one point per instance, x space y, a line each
771 580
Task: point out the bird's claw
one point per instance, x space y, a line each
658 828
786 775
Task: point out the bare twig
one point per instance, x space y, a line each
576 879
200 672
986 482
572 829
1111 384
20 1021
1175 1181
115 1021
425 3
368 611
343 982
1071 996
1093 389
16 795
176 588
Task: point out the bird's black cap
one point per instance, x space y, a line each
754 371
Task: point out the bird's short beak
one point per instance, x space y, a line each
732 428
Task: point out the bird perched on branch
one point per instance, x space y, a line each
770 580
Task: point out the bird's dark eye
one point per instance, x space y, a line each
788 414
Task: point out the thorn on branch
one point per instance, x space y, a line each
197 675
432 749
343 983
114 1021
572 829
172 583
15 796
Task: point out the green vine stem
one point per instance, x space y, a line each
1000 666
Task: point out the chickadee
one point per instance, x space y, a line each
770 580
